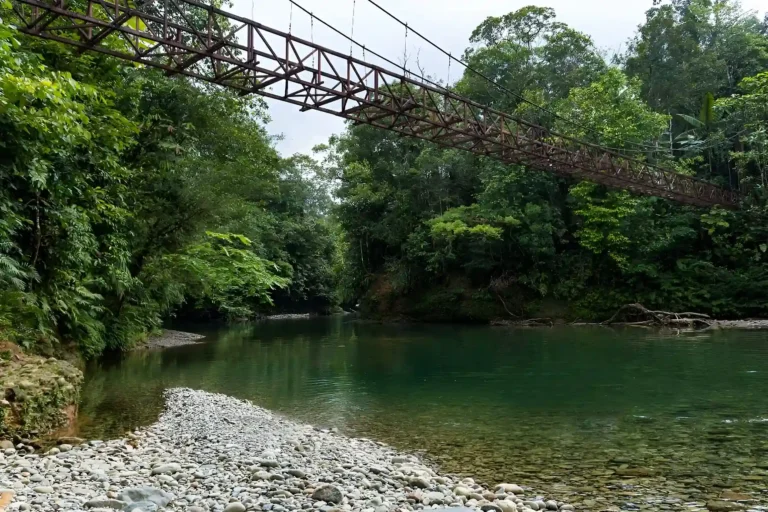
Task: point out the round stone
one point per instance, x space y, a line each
328 494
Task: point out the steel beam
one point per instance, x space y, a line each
197 40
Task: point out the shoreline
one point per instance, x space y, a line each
170 338
211 452
747 324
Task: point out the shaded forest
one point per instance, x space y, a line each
128 196
445 235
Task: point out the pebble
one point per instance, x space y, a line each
421 483
212 453
105 503
235 507
141 506
164 469
510 488
462 490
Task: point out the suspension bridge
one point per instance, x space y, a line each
194 39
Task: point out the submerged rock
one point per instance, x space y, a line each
635 472
208 449
723 506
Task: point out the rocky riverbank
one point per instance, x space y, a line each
169 339
37 394
210 452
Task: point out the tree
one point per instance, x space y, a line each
531 54
693 47
748 113
126 193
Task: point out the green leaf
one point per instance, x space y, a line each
696 123
707 114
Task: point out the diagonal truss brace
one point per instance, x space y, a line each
190 38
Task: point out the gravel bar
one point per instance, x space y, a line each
170 339
211 452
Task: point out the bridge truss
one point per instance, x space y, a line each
190 38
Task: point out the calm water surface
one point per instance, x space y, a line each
638 418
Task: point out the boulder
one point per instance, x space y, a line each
37 395
328 494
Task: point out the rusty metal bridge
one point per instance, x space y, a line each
188 37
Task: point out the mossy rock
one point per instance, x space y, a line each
39 395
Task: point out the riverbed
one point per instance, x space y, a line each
214 453
630 418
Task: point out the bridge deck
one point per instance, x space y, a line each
190 38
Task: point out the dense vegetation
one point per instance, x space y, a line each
441 234
127 195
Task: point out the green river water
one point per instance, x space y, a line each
628 418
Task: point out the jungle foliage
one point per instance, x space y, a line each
445 229
127 195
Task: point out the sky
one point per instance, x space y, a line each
447 22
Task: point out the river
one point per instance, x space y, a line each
651 419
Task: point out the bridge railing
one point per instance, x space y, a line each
190 38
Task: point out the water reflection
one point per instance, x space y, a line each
580 413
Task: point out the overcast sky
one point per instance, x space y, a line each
447 22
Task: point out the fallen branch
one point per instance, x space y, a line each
505 306
531 322
637 314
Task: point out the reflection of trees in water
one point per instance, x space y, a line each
475 398
275 364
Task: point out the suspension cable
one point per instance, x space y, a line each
405 51
312 36
290 19
352 31
436 85
505 89
448 80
